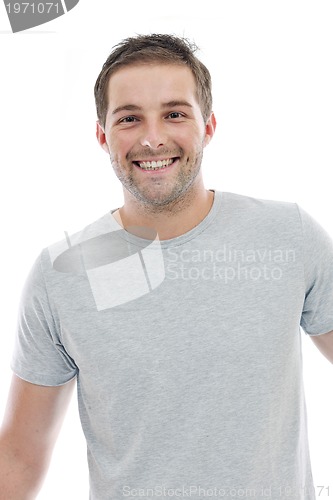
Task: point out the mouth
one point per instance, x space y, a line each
155 165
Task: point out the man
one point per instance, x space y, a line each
178 314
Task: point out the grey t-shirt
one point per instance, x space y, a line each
187 351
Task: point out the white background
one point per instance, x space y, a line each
271 64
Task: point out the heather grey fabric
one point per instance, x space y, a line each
187 351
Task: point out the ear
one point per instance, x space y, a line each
210 129
100 134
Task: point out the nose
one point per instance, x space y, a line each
153 135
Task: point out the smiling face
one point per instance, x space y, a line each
155 133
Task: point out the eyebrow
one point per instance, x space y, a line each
126 107
134 107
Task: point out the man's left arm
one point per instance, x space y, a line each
324 343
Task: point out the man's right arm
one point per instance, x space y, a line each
31 424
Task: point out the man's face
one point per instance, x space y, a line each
155 132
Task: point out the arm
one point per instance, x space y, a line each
325 344
31 424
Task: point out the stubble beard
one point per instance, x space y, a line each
154 199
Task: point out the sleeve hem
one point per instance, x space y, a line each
319 331
38 379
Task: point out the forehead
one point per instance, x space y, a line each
150 83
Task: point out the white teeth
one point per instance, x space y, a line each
155 165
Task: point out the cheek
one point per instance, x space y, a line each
120 147
190 138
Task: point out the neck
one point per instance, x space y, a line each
184 214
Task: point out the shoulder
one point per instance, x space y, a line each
91 232
251 208
244 202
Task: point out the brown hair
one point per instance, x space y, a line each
164 49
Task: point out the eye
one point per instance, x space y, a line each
128 119
174 115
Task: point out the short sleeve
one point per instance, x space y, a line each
39 356
317 314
